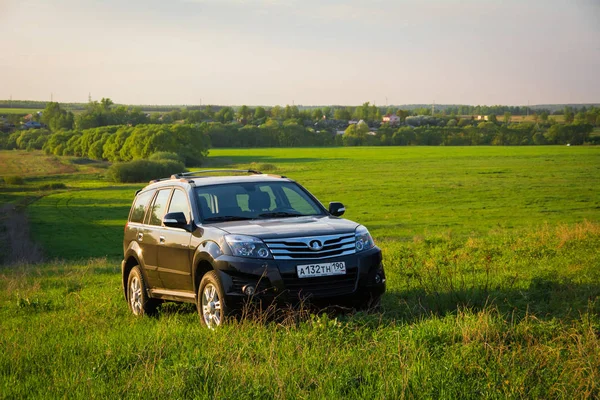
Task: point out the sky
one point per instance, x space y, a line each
303 52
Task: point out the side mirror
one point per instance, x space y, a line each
336 208
175 220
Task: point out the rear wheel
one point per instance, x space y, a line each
210 301
137 294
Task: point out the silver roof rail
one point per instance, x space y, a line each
210 171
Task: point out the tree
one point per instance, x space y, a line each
56 118
569 115
507 117
402 114
317 114
244 113
209 112
106 103
225 114
342 114
260 113
277 112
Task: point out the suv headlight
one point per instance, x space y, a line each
247 246
364 241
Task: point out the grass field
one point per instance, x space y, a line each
7 110
531 118
493 284
25 164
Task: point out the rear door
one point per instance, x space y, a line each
152 232
174 253
134 231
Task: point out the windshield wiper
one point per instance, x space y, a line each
223 218
279 214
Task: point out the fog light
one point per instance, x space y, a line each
248 290
377 279
263 253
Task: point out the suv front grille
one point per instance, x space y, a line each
323 286
300 248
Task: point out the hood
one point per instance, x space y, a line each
289 227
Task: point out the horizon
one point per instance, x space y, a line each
253 52
416 105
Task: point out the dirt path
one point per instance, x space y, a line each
15 241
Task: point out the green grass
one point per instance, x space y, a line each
7 110
493 283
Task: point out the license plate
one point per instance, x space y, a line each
325 269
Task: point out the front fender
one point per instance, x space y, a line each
206 252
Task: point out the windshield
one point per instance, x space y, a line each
254 200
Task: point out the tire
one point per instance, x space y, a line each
210 301
137 295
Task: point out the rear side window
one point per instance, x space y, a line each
140 205
158 207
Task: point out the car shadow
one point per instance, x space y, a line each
543 298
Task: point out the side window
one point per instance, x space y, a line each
139 207
179 203
158 207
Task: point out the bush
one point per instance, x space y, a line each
14 180
53 186
165 155
143 170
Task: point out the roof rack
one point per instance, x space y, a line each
199 174
210 171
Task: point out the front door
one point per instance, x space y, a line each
174 252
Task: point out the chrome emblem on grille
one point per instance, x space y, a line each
315 245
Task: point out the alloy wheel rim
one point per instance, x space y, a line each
211 306
135 295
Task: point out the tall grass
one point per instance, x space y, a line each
511 315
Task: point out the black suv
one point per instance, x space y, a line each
221 241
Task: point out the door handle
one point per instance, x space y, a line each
161 239
140 237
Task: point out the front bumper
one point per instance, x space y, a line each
277 280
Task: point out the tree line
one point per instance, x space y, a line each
117 133
105 113
115 143
192 141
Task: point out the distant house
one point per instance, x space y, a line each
353 121
482 118
32 125
391 119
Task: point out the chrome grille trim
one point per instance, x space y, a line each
297 248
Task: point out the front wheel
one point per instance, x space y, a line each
137 294
211 301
